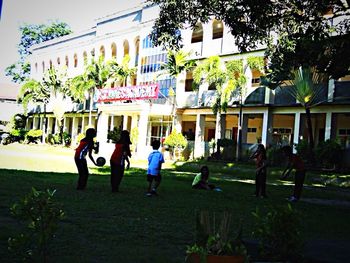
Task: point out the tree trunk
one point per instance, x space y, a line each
218 132
239 138
309 127
44 125
90 109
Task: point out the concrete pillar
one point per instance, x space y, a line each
73 131
266 127
331 89
199 136
83 123
296 129
35 122
102 128
244 128
64 124
328 128
48 125
111 126
142 149
125 122
178 123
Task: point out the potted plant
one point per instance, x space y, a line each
213 244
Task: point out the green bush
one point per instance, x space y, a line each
177 142
328 153
18 135
305 152
279 233
67 138
33 135
275 156
113 135
40 215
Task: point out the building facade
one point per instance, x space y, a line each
271 117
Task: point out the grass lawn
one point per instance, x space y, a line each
129 227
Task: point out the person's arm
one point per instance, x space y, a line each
127 161
264 165
90 155
287 170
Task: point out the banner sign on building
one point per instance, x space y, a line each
139 92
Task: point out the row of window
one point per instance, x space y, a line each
102 52
197 34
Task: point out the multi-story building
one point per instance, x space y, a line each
268 116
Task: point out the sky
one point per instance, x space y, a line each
78 14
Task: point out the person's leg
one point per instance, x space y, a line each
257 184
157 180
299 181
263 182
119 176
149 180
113 177
83 173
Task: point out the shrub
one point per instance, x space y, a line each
279 233
176 141
328 153
34 135
275 156
67 138
41 215
18 135
305 152
113 135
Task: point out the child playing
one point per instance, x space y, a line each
260 173
85 147
201 180
155 160
294 162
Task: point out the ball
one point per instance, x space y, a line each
100 161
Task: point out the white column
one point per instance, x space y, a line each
48 125
142 149
35 121
125 122
331 88
83 123
328 129
64 124
111 127
199 136
267 121
178 123
296 128
102 128
73 131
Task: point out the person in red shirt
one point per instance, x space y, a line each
260 173
84 148
119 156
294 162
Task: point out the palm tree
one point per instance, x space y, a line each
35 92
177 62
213 72
306 90
55 81
95 76
121 72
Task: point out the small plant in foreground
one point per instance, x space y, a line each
41 214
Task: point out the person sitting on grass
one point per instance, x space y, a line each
294 162
155 160
200 181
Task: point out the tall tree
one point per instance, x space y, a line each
176 63
31 35
307 91
95 76
310 32
121 72
213 72
33 91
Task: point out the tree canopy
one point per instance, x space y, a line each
31 35
296 33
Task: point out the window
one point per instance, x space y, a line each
75 60
189 83
50 64
58 61
85 57
102 51
114 50
218 29
251 130
36 67
126 47
67 61
197 34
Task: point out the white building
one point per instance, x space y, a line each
272 117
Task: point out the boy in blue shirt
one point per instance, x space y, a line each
155 160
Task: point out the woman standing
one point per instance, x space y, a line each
85 147
120 155
260 173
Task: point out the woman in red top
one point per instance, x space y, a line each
260 173
119 156
85 147
294 162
